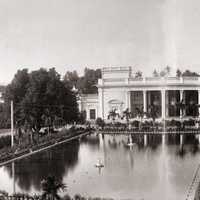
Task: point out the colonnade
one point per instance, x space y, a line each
163 100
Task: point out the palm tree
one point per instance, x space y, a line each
127 116
113 114
182 106
51 187
153 112
139 112
100 122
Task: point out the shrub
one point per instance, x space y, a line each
100 122
5 141
189 122
135 123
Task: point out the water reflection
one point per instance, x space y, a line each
160 169
57 161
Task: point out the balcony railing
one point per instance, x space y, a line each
150 80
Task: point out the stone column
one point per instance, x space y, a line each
128 100
199 138
148 100
167 103
87 113
144 101
101 103
181 98
163 103
199 102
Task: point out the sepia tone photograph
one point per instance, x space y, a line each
99 100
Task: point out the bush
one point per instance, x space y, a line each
100 122
189 122
5 141
135 123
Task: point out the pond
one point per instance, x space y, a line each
156 170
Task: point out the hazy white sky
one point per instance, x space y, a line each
73 34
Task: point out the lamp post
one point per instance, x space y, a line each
12 123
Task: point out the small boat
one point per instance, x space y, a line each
99 164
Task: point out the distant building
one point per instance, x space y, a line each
119 90
89 104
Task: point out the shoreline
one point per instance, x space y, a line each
31 152
125 132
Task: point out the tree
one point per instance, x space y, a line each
86 84
168 70
50 187
155 73
153 112
189 73
16 91
113 114
40 97
138 74
178 73
126 115
182 106
100 122
139 112
165 72
71 79
82 117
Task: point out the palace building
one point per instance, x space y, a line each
118 90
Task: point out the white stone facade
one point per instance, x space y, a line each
119 90
89 104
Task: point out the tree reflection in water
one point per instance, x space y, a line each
138 165
181 151
113 143
56 162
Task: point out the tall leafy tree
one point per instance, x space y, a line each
40 97
71 79
16 91
86 83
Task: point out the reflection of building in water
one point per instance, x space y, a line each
118 90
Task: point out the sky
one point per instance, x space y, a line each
74 34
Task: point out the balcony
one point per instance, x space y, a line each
149 81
